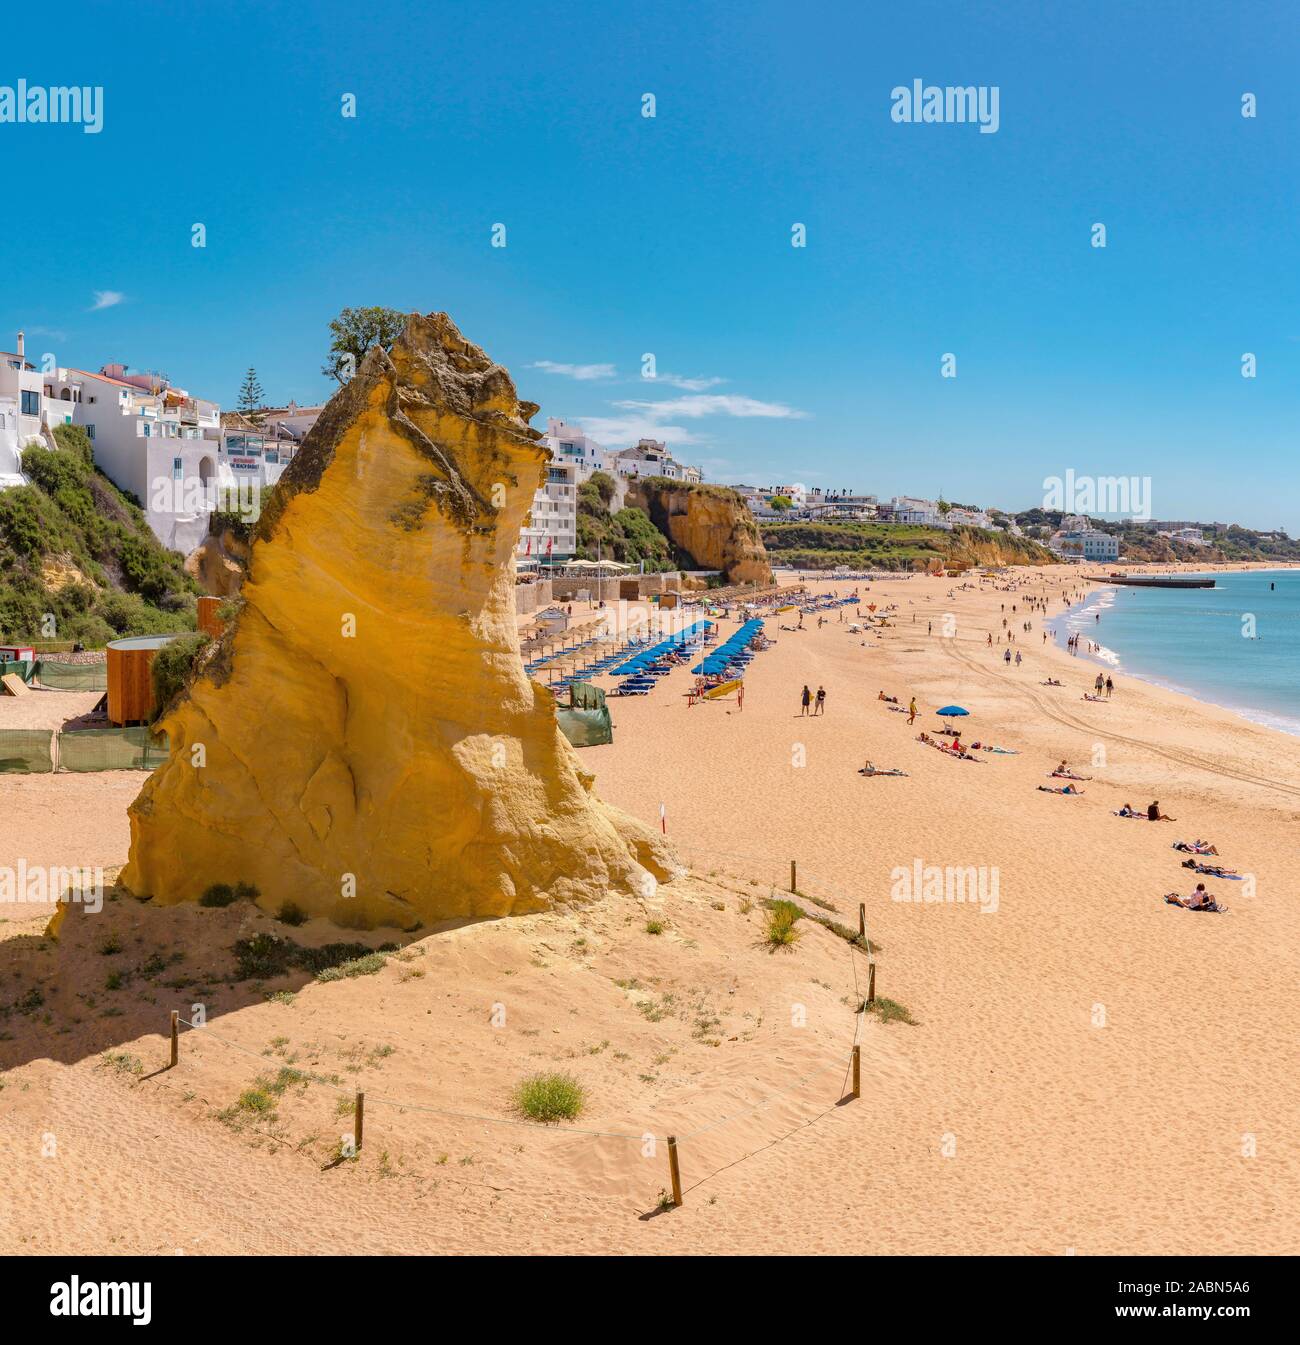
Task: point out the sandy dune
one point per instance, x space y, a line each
1089 1068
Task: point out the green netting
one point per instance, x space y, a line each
585 696
26 751
129 749
73 676
585 728
24 669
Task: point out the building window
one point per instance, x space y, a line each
90 431
178 468
31 403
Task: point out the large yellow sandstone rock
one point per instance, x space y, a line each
364 741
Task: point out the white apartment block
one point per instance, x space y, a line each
1084 544
650 457
166 448
910 509
28 413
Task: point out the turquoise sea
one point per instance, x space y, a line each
1236 645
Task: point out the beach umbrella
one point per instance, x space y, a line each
951 710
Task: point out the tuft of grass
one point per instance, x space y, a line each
290 913
110 944
549 1098
654 926
366 965
890 1011
123 1062
113 981
781 919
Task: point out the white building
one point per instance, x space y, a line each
1191 536
911 509
568 444
650 457
971 518
28 413
1085 544
167 449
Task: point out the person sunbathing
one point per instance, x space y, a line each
1214 870
1155 815
1087 697
1064 789
889 700
1128 811
872 769
1051 682
1197 847
1063 772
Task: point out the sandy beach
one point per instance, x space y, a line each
1088 1069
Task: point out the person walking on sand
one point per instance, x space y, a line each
740 696
911 711
1017 658
805 700
1006 656
1099 684
1110 686
821 701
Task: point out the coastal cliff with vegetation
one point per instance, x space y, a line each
708 527
75 548
895 546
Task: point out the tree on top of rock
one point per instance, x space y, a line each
354 331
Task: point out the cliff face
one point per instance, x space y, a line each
218 563
709 525
363 741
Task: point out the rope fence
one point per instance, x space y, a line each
850 1072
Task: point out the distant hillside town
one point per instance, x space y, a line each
181 457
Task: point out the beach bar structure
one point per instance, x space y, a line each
130 689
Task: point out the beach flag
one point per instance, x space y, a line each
663 818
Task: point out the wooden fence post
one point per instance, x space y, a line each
358 1119
857 1071
862 919
794 886
871 983
674 1171
176 1033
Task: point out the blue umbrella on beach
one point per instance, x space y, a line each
950 710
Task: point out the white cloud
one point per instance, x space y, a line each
106 299
615 432
686 384
714 404
584 373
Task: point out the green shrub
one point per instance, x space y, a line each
171 669
781 918
365 965
219 894
550 1097
290 913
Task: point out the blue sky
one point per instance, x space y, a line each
627 235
